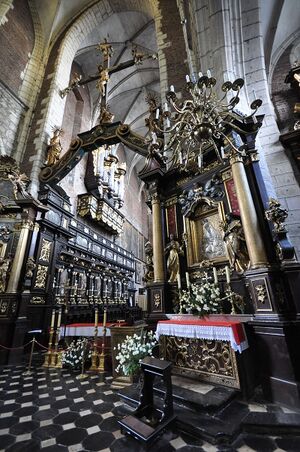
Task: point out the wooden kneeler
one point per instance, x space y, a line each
147 422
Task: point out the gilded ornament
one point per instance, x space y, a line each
174 249
37 300
41 276
45 250
157 300
261 293
3 307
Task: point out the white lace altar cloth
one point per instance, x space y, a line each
232 332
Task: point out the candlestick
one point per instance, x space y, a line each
227 272
215 275
178 281
187 277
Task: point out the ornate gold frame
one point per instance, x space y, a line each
194 231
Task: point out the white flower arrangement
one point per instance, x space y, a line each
77 352
132 350
201 299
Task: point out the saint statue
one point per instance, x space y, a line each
235 242
54 149
4 267
149 270
30 266
174 249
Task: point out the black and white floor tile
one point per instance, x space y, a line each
52 410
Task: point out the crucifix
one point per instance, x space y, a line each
103 76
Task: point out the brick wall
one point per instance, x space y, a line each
17 42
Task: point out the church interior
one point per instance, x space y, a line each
149 225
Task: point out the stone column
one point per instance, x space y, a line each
18 261
158 251
254 240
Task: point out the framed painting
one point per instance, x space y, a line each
204 234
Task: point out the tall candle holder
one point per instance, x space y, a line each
101 367
94 366
54 361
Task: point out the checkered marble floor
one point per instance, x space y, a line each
53 411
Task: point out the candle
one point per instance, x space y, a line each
104 317
59 318
227 271
157 113
52 318
96 317
180 158
172 89
187 77
208 73
154 137
215 275
187 277
166 108
168 124
200 160
200 74
178 281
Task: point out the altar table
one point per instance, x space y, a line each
208 350
231 331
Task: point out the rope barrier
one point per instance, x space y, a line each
16 348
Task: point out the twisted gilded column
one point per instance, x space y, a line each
158 250
254 240
18 261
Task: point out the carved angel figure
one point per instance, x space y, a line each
235 244
54 149
149 271
20 182
30 266
174 249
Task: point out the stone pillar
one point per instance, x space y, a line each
18 261
158 251
254 240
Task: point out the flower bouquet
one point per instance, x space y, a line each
76 354
132 350
201 299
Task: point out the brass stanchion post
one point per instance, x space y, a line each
94 366
28 372
101 367
48 355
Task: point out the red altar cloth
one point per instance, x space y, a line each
237 327
223 330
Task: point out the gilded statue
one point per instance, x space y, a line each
105 115
54 149
235 243
174 249
103 79
4 267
